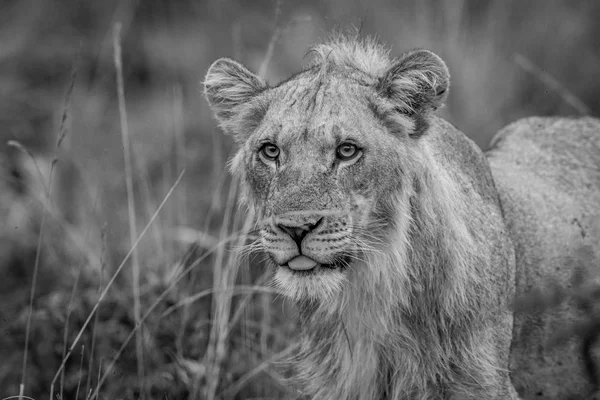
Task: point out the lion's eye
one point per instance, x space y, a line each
347 151
269 151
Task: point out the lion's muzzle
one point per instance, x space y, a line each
298 231
306 242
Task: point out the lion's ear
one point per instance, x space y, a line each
231 89
417 83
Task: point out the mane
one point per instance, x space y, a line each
363 54
411 306
371 59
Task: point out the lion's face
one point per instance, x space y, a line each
321 159
321 181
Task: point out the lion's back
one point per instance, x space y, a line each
563 153
547 173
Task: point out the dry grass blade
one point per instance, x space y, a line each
80 372
69 311
130 203
552 84
238 289
65 112
278 32
262 70
257 288
17 145
88 385
18 397
61 135
247 377
116 273
31 296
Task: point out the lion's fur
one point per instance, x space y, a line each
422 309
387 320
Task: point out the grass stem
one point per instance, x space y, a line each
135 263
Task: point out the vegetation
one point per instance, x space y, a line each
119 257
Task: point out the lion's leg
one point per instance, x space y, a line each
513 393
504 391
503 345
484 371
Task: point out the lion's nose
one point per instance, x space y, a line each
298 232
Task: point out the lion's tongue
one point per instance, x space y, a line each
301 263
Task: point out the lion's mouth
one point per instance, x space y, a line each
305 265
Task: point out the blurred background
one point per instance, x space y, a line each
210 326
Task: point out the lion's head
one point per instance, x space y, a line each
324 156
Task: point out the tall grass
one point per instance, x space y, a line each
205 322
135 262
62 132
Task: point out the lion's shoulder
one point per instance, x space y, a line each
454 152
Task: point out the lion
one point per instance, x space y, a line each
403 244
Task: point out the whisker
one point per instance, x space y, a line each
247 249
354 257
366 246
